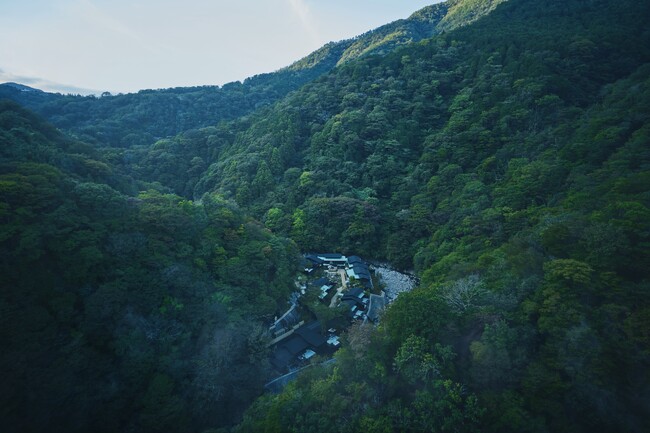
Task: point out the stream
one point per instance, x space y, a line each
394 282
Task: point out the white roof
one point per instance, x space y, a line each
333 340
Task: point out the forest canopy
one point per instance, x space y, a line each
502 155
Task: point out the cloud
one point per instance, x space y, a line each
302 11
46 85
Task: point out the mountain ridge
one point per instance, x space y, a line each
149 115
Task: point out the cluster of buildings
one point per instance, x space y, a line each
295 341
356 269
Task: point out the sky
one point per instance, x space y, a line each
92 46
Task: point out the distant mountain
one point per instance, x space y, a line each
422 24
21 87
418 26
144 117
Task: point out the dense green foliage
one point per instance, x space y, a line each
463 12
509 161
123 312
506 161
139 119
396 132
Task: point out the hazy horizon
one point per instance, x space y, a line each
93 46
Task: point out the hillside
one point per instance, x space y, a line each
140 119
498 149
507 162
123 308
378 130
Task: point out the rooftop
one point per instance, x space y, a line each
311 334
354 292
331 256
377 305
355 259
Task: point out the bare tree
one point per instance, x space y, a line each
464 293
359 336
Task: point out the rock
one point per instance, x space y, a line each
395 282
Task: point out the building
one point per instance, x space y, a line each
356 301
355 293
314 260
359 270
296 343
376 306
333 259
287 352
324 285
311 333
286 322
305 342
355 266
355 259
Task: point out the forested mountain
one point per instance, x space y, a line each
504 156
124 312
144 117
508 162
394 131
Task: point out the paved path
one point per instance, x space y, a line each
339 291
278 384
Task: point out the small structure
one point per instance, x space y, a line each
305 342
286 353
359 270
356 293
376 306
287 321
314 259
321 282
308 354
333 340
354 299
312 335
324 285
352 260
333 259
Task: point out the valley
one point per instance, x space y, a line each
166 255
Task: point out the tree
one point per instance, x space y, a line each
464 294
